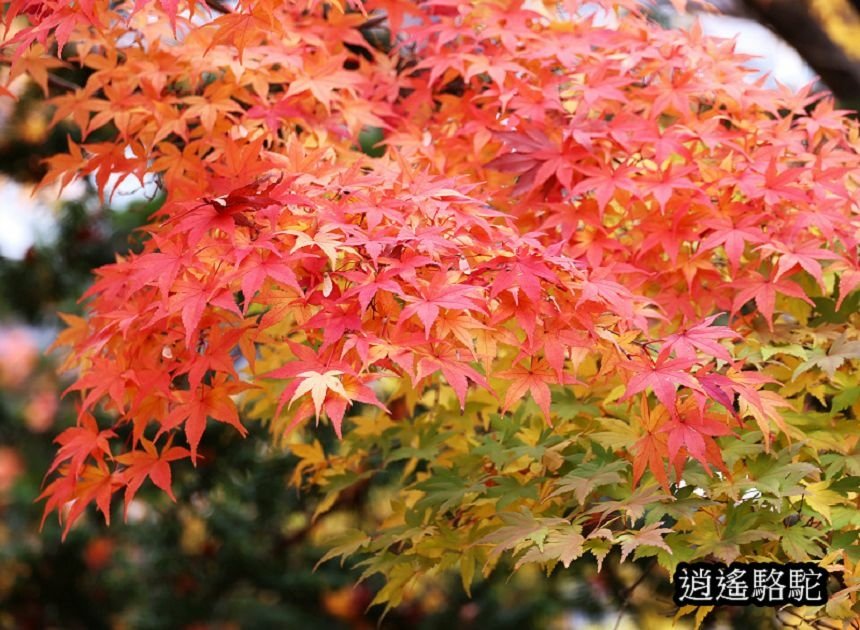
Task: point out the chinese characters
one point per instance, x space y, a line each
762 584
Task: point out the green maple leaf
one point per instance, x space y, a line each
827 313
779 477
820 498
445 489
845 399
679 551
683 508
509 490
800 543
344 544
567 406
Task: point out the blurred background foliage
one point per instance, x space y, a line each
238 548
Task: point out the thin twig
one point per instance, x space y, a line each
53 79
629 591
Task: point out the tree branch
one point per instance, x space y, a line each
793 21
218 6
626 593
53 79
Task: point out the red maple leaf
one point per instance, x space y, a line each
806 255
192 408
534 379
148 463
456 371
763 291
78 443
733 234
702 337
692 430
662 375
440 293
651 449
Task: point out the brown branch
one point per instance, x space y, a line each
217 5
794 22
381 19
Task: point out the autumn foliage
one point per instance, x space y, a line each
594 287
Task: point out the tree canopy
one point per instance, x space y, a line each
569 281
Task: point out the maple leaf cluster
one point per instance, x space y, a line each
567 199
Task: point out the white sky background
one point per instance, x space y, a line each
25 220
781 60
21 219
